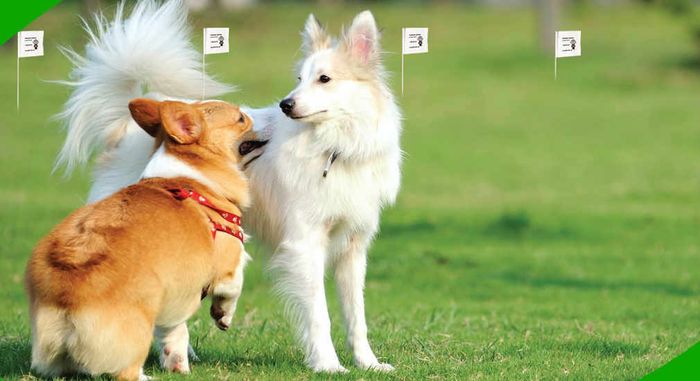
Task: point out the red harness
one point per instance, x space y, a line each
182 194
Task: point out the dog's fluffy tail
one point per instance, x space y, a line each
149 51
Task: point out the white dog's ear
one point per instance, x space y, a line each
361 40
314 36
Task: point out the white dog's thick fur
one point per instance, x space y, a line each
147 52
318 222
313 222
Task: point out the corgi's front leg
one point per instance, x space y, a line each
222 309
224 296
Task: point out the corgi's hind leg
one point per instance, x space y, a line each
50 331
113 340
134 371
174 343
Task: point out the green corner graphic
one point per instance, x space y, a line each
16 15
684 367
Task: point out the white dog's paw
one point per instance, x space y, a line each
379 367
336 368
368 361
325 361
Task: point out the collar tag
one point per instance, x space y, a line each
329 162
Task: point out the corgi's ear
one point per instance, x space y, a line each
146 113
314 36
361 40
182 122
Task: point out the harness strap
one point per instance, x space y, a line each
182 194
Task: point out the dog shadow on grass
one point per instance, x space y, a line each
16 351
245 359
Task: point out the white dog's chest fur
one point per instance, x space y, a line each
290 192
350 191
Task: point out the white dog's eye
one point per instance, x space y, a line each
298 78
324 78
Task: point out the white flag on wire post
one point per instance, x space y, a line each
30 43
413 41
567 43
215 41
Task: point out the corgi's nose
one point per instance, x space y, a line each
287 105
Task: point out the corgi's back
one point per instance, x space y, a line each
96 283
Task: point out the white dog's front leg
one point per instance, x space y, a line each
350 280
299 268
173 343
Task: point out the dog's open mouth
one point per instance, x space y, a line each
249 146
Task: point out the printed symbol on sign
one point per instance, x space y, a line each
36 43
573 44
420 40
221 40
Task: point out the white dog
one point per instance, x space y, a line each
331 163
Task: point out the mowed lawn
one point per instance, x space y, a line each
545 230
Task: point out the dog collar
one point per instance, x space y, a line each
182 194
331 159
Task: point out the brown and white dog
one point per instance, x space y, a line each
143 258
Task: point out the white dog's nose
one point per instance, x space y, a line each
287 105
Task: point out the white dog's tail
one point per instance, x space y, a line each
149 51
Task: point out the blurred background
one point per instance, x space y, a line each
545 229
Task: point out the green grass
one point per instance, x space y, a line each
545 230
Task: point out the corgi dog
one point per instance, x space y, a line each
143 258
327 159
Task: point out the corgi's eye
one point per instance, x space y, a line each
324 78
241 119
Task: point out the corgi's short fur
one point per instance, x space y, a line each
113 271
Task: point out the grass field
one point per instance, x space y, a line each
545 230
